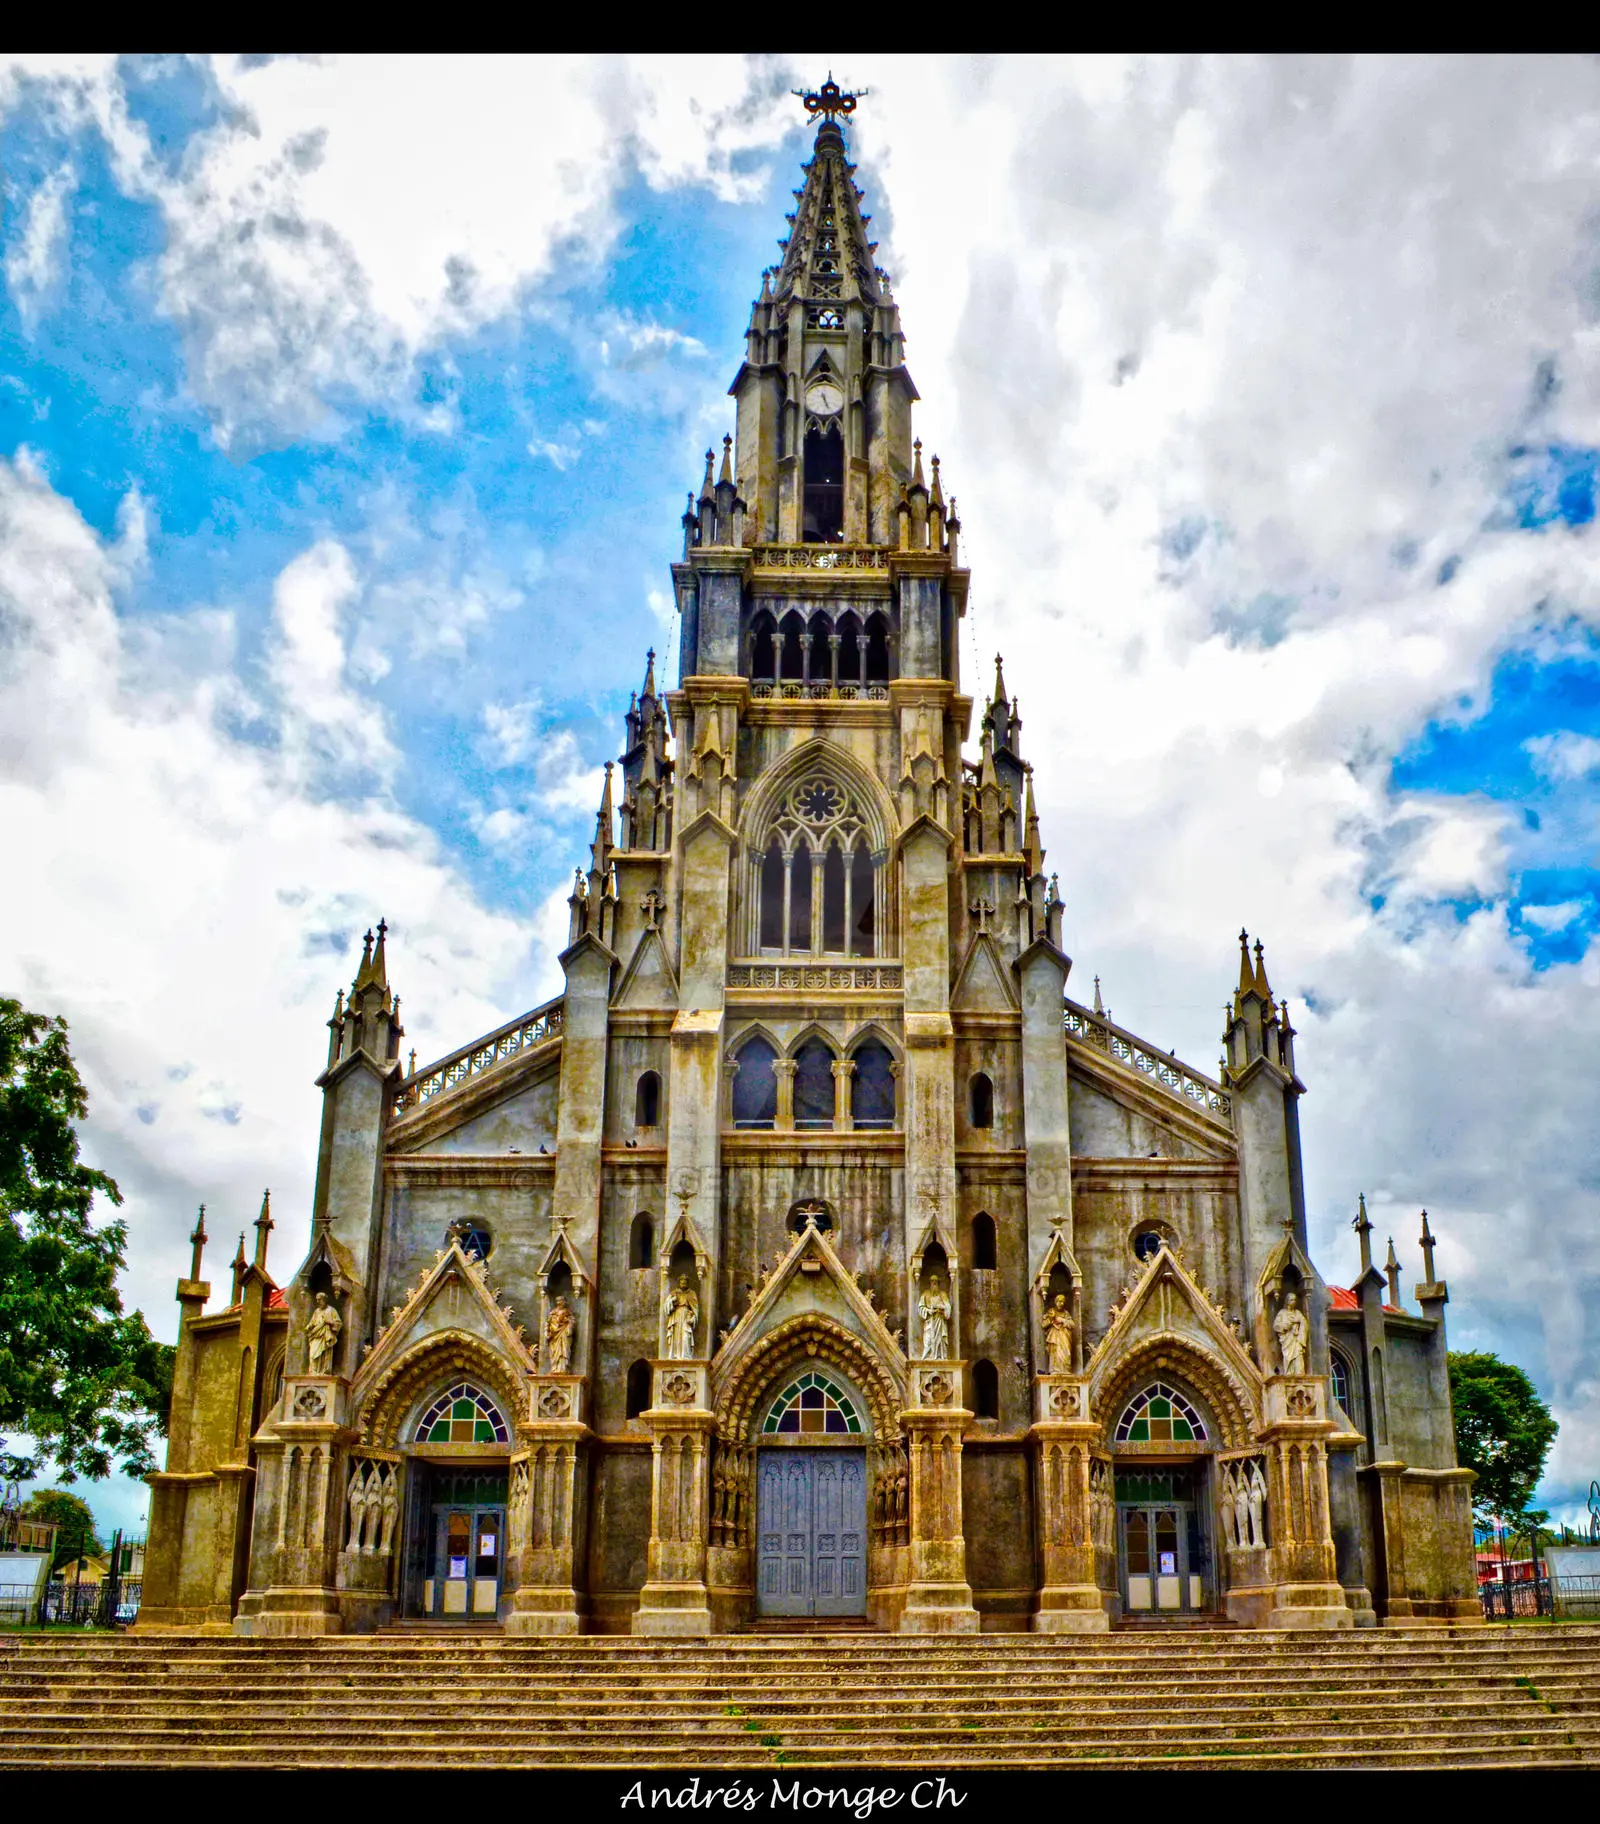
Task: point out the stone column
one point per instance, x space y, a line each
674 1599
1073 1501
1300 1554
301 1475
545 1514
939 1598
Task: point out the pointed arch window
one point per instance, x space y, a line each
647 1100
823 507
1160 1415
877 649
984 1251
764 648
812 1403
985 1390
464 1415
791 650
642 1241
981 1098
813 1085
1339 1374
755 1084
872 1085
638 1388
815 882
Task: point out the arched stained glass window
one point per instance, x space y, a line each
1159 1415
464 1415
812 1403
1339 1372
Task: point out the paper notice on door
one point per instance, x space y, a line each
486 1543
458 1567
1169 1564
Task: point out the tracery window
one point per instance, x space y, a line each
872 1085
813 1085
755 1084
817 877
819 652
464 1415
1160 1415
812 1403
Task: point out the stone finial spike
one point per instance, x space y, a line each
239 1266
999 696
1247 975
1098 1006
1261 975
264 1227
1032 846
411 1068
916 476
1363 1229
766 284
708 487
1391 1272
364 965
938 492
198 1242
1426 1242
1288 1030
726 474
649 674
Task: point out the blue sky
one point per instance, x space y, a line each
346 415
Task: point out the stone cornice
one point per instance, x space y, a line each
1219 1174
459 1171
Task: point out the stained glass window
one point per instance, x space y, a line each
464 1415
1339 1369
812 1403
1160 1415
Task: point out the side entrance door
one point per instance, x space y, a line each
811 1530
465 1560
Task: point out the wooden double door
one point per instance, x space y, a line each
811 1532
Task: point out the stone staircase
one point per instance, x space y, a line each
1434 1697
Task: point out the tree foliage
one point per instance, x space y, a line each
88 1383
1503 1431
71 1514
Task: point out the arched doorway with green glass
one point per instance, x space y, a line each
1166 1563
457 1498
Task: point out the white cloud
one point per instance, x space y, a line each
1554 918
1565 755
34 262
194 897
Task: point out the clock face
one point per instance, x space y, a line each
824 397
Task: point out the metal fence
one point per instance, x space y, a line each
1575 1598
109 1604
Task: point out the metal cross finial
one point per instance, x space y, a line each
830 100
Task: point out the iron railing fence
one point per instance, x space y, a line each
111 1604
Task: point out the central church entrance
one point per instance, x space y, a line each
811 1532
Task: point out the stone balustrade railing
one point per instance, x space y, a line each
1177 1079
514 1037
792 690
821 557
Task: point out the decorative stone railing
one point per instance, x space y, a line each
793 690
799 974
821 557
515 1037
1177 1079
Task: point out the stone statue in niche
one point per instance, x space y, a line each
1258 1503
559 1325
1293 1334
322 1334
683 1317
1058 1327
1241 1503
391 1511
934 1309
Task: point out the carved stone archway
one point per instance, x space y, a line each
430 1363
785 1350
1224 1395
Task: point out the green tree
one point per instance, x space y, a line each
86 1382
70 1512
1503 1431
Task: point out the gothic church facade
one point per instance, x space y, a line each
813 1254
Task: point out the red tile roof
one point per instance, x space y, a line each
1343 1299
275 1301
